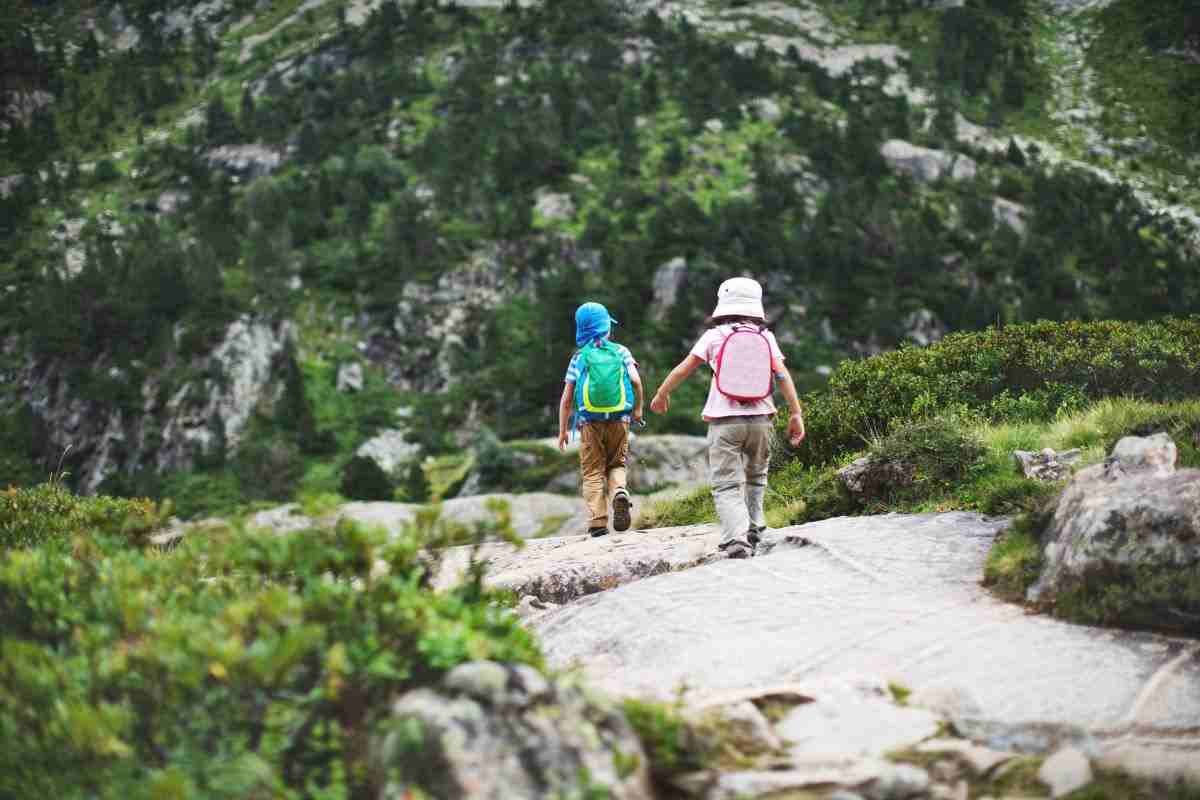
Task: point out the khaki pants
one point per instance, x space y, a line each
603 448
739 454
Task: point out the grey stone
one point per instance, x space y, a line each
927 165
391 450
1156 454
554 206
350 378
1011 215
1133 511
897 595
668 281
1046 465
530 513
845 719
485 681
868 477
168 202
981 760
553 742
1066 771
283 519
244 161
923 328
744 723
900 782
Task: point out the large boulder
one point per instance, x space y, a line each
506 732
1123 545
246 162
927 165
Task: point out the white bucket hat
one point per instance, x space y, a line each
739 297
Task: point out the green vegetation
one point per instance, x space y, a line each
1141 53
1015 373
233 665
48 516
407 170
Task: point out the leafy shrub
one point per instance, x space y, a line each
50 514
236 666
201 493
363 479
268 468
938 451
1020 372
670 742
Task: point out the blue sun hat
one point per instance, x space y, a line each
592 322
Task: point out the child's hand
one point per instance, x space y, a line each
563 438
796 430
660 403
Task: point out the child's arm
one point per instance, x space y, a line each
796 416
639 394
564 413
662 398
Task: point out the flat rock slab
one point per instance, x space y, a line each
895 596
561 569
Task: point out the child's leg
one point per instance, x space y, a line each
757 453
726 474
618 450
616 444
593 463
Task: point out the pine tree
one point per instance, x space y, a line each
219 125
247 120
1015 155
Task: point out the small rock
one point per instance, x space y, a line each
868 477
745 724
1065 772
1156 454
901 782
390 449
981 760
554 206
486 681
927 165
1046 465
350 378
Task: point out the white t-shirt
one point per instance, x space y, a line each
718 405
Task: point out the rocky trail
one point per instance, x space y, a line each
844 607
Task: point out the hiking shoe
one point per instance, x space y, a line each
621 506
737 550
594 532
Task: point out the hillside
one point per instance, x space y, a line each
241 239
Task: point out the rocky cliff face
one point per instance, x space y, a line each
168 423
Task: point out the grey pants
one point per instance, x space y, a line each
739 454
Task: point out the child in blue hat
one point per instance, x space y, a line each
603 390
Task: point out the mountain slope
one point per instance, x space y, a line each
222 209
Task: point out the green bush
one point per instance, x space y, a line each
50 514
671 743
938 452
363 479
1020 372
233 666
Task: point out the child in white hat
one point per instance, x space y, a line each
746 362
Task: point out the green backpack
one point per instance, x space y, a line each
604 388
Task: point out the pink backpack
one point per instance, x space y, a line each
744 365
